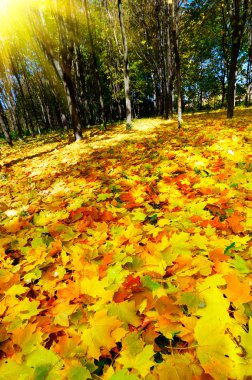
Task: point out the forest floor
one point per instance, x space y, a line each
128 254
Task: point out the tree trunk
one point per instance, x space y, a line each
31 96
238 17
15 118
26 114
5 125
232 79
225 58
169 69
249 64
126 67
67 50
63 70
223 92
72 104
175 10
96 70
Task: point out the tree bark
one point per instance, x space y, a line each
175 10
31 96
126 67
15 117
169 64
223 92
232 79
26 114
71 100
67 49
5 125
96 70
238 17
249 63
63 70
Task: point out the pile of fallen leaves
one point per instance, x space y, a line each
128 255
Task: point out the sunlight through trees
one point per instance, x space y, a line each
65 64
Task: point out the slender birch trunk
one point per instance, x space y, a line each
126 67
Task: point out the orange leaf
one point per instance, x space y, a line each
217 254
121 295
107 216
205 190
56 247
133 284
127 197
104 265
195 218
237 291
234 222
165 305
214 210
130 200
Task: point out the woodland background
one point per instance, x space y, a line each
71 64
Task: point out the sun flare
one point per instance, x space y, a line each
7 7
14 25
4 4
12 14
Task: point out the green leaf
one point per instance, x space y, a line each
42 372
191 300
27 309
138 216
227 249
104 197
79 372
153 219
38 241
149 283
122 375
43 360
240 264
32 276
10 370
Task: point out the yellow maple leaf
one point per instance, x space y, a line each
135 355
94 286
46 217
28 338
14 225
138 215
62 313
164 244
180 243
103 331
133 233
178 367
16 290
215 332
